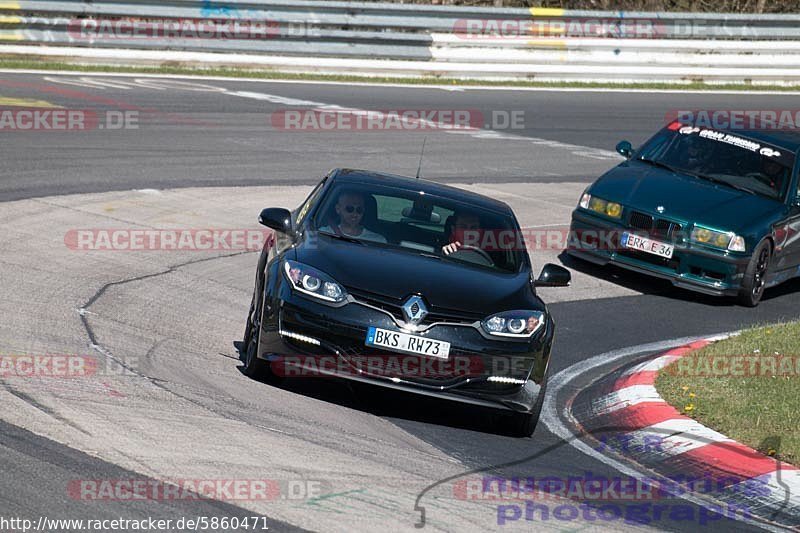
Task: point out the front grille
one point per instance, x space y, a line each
655 227
640 221
394 307
661 227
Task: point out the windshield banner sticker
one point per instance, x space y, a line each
734 140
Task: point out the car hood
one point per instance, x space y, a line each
641 186
397 274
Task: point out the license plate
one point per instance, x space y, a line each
403 342
650 246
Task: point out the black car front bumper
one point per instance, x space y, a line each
296 329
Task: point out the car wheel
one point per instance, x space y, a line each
253 366
755 276
248 329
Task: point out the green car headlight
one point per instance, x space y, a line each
603 207
718 239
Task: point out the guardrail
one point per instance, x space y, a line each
347 37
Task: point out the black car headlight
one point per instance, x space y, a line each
518 324
718 239
603 207
310 281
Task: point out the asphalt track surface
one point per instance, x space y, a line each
215 138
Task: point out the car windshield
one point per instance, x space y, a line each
422 224
720 157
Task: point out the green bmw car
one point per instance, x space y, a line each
713 211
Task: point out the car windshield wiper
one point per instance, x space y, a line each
343 237
658 164
695 174
720 182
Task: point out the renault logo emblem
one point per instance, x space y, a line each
414 310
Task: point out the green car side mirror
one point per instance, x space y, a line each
625 149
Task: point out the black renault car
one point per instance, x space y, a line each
371 279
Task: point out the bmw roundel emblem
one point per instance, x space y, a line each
660 209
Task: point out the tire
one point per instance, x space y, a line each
253 366
755 274
248 329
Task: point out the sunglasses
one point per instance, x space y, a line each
357 208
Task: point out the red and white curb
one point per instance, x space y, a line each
656 436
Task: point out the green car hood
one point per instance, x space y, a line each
685 198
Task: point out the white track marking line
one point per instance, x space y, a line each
551 418
476 133
450 88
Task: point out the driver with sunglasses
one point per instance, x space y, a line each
350 212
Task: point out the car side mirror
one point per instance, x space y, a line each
625 149
276 218
553 276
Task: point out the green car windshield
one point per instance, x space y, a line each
721 157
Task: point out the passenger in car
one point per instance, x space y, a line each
774 172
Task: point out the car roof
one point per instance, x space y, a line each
430 187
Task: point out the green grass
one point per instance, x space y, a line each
9 62
761 410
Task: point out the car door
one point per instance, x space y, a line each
788 232
786 262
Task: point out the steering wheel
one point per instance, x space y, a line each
468 248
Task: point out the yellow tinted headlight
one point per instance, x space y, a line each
598 205
717 239
614 210
722 240
702 235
